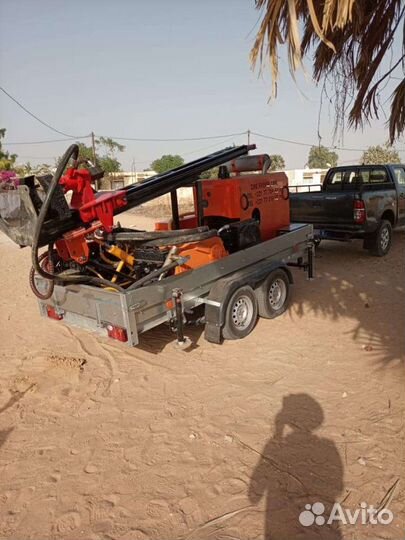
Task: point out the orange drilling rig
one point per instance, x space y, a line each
238 236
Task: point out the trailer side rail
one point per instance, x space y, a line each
142 309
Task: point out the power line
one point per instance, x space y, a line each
36 157
171 139
280 140
184 139
227 136
45 142
226 141
288 141
149 161
36 117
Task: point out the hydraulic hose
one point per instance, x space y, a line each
183 239
72 151
44 260
146 236
156 273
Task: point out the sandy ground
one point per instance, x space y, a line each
98 441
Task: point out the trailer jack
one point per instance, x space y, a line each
311 262
182 341
309 265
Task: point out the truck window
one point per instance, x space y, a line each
353 179
335 181
378 176
356 178
400 175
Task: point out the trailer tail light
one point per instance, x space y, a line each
117 332
359 212
53 314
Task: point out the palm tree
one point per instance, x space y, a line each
349 40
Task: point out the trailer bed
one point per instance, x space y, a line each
127 315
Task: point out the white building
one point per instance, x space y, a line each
306 177
122 179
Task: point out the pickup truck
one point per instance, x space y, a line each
356 201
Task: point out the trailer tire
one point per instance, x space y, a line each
240 314
273 295
382 239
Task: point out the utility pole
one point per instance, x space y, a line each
93 145
248 134
133 170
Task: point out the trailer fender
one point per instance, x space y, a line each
223 289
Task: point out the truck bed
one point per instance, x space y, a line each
319 207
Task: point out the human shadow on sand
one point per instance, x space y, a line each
297 469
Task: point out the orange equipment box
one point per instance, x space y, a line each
264 197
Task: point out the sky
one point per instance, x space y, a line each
157 70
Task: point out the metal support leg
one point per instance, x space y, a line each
182 341
199 206
175 209
311 263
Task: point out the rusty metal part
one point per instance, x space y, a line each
46 263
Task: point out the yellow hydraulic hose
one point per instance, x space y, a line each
120 266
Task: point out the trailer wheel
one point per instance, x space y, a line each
240 314
273 295
382 239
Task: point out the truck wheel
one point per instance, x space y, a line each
273 295
240 314
382 239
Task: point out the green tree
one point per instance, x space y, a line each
277 162
110 146
166 163
320 157
105 154
378 155
109 164
27 169
7 160
211 173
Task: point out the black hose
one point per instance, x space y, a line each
72 151
184 239
145 236
156 273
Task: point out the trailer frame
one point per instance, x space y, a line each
133 312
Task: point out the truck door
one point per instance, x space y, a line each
338 200
399 174
378 194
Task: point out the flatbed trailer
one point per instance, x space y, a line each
223 287
225 263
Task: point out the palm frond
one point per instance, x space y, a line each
397 119
349 40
